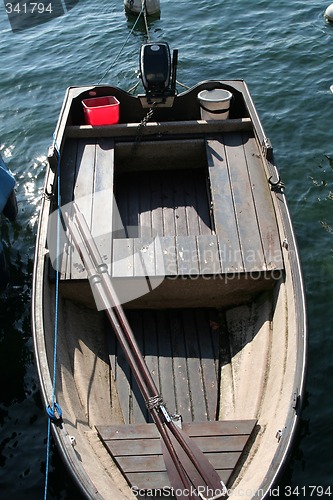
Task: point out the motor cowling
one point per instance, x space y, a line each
155 68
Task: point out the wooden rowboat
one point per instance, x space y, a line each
190 218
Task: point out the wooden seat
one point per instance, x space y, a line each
192 220
137 449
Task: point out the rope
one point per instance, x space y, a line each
54 411
154 403
143 10
145 19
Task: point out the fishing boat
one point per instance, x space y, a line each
168 308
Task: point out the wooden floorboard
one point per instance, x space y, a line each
181 349
164 203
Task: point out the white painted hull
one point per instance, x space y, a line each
135 6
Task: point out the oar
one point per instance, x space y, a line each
187 466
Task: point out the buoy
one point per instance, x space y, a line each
135 6
329 13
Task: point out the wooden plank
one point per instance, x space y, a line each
68 172
148 257
150 347
220 428
134 447
138 261
190 200
193 429
179 207
138 410
203 203
225 443
83 194
209 352
148 480
144 257
208 255
247 224
137 447
167 266
123 431
181 127
123 377
224 461
84 185
187 255
122 257
223 207
153 463
263 205
101 226
168 204
156 480
131 194
167 386
145 221
67 179
195 375
181 378
156 204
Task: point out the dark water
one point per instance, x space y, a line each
284 52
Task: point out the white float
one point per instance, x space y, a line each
135 6
329 13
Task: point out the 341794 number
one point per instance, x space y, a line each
29 8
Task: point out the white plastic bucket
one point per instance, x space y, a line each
215 104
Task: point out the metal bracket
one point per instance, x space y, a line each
277 186
278 435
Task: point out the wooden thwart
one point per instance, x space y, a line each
138 453
182 127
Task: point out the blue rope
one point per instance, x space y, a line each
54 411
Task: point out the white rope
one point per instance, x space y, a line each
143 11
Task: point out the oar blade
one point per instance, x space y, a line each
203 478
181 491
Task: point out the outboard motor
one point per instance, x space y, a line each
157 73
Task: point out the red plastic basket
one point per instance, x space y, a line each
101 110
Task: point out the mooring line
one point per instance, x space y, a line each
124 44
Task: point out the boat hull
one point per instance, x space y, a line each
221 322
